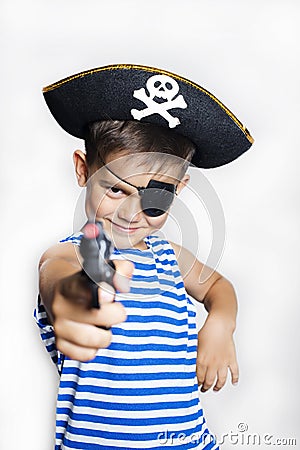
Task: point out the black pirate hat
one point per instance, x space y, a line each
133 92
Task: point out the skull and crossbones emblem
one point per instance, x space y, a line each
161 87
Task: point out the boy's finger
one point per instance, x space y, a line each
106 293
109 314
201 372
82 334
121 279
234 369
74 351
209 379
222 376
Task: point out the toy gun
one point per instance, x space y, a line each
96 249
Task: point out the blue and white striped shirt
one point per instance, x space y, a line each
141 391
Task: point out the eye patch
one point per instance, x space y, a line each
156 197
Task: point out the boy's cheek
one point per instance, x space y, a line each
96 205
157 222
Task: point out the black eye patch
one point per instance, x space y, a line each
156 197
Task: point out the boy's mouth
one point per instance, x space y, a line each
122 229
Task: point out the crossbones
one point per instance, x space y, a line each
160 86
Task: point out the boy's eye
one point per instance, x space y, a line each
115 191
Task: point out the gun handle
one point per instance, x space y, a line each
94 290
107 277
94 286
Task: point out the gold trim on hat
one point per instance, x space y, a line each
56 85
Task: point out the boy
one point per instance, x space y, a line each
130 370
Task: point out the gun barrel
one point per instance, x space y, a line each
97 268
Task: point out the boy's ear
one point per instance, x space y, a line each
182 183
81 168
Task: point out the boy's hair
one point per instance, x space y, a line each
106 138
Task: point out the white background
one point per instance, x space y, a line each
247 54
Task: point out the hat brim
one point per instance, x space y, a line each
107 93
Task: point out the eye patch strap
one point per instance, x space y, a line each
156 197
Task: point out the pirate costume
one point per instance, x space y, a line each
142 390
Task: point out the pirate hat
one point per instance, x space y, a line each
133 92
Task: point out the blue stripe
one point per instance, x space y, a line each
167 262
170 272
126 421
207 436
172 361
110 406
54 359
153 332
51 347
145 278
156 240
145 291
154 318
72 238
133 251
164 251
47 335
178 283
170 283
119 331
131 437
144 266
118 346
81 446
171 294
43 322
132 392
155 304
102 374
147 266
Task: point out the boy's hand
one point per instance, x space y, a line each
76 324
216 353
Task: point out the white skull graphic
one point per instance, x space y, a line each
162 86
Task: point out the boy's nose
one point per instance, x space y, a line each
130 209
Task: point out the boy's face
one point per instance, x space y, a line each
116 203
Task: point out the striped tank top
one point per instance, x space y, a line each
141 391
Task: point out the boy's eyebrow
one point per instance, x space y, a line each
123 185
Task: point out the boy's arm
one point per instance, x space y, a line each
216 351
216 293
66 297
